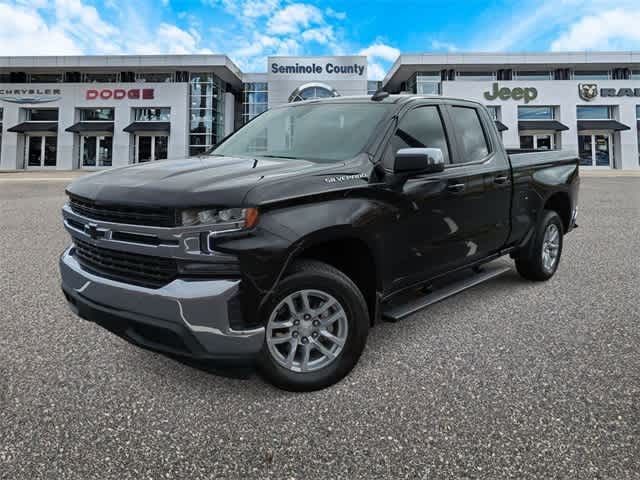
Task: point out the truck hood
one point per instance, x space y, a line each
198 181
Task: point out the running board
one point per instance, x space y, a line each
394 312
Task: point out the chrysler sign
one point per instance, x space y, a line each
30 95
121 94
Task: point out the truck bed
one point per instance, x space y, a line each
528 158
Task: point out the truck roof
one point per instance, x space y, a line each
395 99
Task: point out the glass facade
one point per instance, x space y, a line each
152 114
156 77
206 111
255 99
536 113
42 114
594 112
46 77
425 83
101 77
373 86
475 76
591 74
494 112
97 114
534 75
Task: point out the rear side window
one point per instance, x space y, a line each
420 128
468 128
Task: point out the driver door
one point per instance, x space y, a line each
425 232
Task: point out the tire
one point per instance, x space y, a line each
532 263
346 320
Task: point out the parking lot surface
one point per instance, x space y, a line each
508 380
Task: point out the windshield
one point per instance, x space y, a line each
325 132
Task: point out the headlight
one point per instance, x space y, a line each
230 218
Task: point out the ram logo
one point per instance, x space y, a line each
588 91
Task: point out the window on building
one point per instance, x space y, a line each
538 141
472 136
157 114
46 77
425 83
312 90
534 75
1 112
373 86
475 76
591 74
255 98
42 115
100 77
536 113
97 114
420 128
595 112
635 74
155 77
206 111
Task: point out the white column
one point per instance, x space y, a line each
11 155
627 157
66 158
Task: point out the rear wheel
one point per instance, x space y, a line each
316 327
540 259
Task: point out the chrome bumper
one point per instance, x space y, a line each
184 317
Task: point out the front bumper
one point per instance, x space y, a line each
189 318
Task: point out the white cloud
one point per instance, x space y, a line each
24 32
332 13
259 8
322 35
172 40
381 50
446 46
607 30
375 71
292 18
376 52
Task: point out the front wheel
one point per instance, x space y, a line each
541 258
316 327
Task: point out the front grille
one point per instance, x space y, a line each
151 216
144 270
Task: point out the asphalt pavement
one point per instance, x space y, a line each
508 380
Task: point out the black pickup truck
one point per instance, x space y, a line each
287 242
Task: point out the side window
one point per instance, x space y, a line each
420 128
471 134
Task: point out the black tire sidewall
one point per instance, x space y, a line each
548 218
343 290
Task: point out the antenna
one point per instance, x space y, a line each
379 96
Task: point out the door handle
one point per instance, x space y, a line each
501 180
456 187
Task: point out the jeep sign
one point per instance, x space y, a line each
517 93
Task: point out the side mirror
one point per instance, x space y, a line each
418 160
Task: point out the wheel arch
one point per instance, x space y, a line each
560 203
350 254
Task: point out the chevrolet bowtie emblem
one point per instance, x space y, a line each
91 229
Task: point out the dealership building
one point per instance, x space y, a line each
102 111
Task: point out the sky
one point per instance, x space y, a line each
250 30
